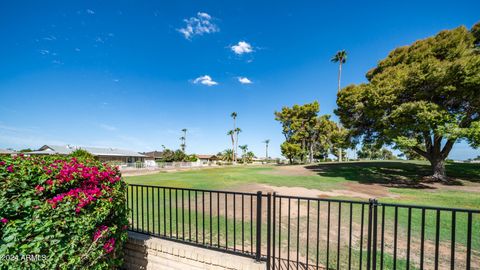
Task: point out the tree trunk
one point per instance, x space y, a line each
438 169
339 74
310 156
436 155
339 79
233 140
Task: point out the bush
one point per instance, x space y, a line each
60 213
82 154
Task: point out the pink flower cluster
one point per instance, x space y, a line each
100 232
92 182
109 245
4 220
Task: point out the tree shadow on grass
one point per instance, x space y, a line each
394 173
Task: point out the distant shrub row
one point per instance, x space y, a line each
61 213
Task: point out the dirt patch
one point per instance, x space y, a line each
354 190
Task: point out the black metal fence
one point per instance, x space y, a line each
222 220
291 232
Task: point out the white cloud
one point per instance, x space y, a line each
244 80
89 11
242 47
198 25
44 52
205 80
50 38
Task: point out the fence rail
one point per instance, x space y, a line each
291 232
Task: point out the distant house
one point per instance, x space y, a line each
207 159
103 154
7 152
156 155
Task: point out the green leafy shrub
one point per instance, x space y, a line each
82 154
60 213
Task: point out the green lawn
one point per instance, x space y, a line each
399 178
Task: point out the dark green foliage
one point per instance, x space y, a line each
422 98
82 155
69 213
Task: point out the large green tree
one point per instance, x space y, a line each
423 97
298 123
309 135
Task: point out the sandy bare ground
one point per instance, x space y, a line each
353 190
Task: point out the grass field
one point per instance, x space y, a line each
397 181
389 182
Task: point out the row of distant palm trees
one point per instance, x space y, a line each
233 133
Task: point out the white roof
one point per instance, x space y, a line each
96 151
6 151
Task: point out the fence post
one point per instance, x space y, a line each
258 254
374 238
269 227
372 235
369 233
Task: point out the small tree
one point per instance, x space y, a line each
82 154
291 151
244 149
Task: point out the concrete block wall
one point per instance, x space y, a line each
146 252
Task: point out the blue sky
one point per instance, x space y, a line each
133 74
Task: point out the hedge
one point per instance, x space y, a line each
61 213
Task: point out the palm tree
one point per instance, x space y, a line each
266 142
231 133
183 139
340 58
244 150
234 116
250 156
227 155
237 130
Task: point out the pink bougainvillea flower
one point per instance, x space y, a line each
100 232
10 169
4 220
39 188
109 245
2 163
